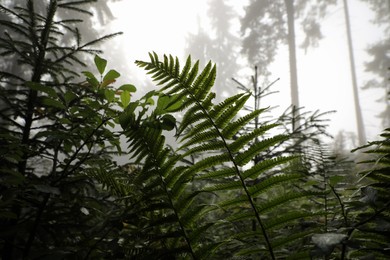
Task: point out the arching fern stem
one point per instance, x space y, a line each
198 103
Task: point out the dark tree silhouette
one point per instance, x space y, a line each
379 65
81 13
84 11
219 45
39 47
267 24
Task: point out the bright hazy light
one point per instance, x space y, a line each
324 77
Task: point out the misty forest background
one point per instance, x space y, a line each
192 155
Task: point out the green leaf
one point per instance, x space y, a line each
110 95
69 97
162 103
168 122
128 116
111 75
93 82
150 101
52 103
175 104
88 74
91 79
128 87
100 64
105 83
125 98
41 88
166 103
65 121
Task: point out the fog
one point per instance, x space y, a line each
238 35
231 188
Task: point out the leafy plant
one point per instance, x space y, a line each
360 226
53 132
368 232
227 188
207 129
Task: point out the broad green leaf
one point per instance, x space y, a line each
106 82
174 104
52 103
125 98
111 75
69 97
168 103
168 122
150 94
65 121
45 89
109 94
89 74
150 101
128 116
100 64
162 103
128 87
93 82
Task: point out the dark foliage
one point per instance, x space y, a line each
229 188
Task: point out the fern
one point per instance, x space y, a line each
371 227
205 129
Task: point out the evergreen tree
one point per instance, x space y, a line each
53 132
267 24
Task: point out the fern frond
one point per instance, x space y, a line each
211 146
266 184
204 134
288 217
208 162
231 111
285 198
256 170
244 139
216 174
246 156
287 239
232 185
232 128
209 129
219 108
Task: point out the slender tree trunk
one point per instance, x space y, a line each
293 60
358 111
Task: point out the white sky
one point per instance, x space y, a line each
323 73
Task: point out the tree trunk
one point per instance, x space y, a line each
293 61
358 111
